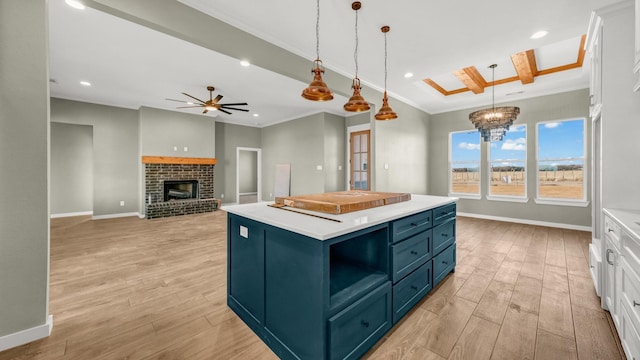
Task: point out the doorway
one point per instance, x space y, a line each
359 160
248 175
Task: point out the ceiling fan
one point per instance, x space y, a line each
211 104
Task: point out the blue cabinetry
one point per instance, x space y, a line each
334 298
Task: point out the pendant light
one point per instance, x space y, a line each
317 90
356 103
385 113
494 122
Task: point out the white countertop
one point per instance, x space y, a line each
323 229
629 219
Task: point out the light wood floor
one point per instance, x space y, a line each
156 289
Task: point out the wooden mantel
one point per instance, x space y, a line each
178 160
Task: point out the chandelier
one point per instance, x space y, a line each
494 122
317 90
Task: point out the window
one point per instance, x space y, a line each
561 159
464 164
508 165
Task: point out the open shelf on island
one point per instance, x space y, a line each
357 265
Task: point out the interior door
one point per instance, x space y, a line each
359 145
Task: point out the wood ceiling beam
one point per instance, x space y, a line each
525 64
444 92
470 76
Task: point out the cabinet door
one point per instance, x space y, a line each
246 264
595 88
611 277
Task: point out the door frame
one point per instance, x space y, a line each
350 130
258 171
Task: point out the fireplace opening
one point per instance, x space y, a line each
180 189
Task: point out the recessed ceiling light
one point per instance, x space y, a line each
189 103
85 83
539 34
75 4
408 75
245 63
256 115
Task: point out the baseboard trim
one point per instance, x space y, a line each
27 336
113 216
528 222
62 215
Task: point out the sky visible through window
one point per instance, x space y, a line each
561 140
465 147
512 147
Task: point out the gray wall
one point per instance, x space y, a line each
567 105
334 153
248 168
71 168
116 162
24 164
161 131
403 144
296 142
227 138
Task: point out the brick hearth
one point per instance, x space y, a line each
159 169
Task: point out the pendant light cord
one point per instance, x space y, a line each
385 61
355 53
318 29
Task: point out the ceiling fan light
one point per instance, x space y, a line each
317 90
385 112
356 102
211 108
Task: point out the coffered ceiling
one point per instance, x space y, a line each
448 43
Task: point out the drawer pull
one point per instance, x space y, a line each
364 323
635 303
414 224
445 262
415 288
414 252
592 266
610 230
609 251
444 235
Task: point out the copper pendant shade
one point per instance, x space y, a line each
356 102
317 90
385 112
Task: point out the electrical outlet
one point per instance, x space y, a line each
339 167
121 202
221 196
319 167
270 195
175 148
186 148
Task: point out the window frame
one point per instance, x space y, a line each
512 198
582 202
451 193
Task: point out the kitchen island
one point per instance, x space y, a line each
331 287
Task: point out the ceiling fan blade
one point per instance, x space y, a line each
215 101
192 106
232 108
234 104
224 111
182 101
193 97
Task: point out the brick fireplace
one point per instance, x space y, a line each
160 171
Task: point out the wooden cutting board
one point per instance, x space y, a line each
342 201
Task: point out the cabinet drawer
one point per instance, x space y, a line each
612 229
410 290
410 225
409 254
444 263
443 236
444 213
630 291
631 250
355 329
629 336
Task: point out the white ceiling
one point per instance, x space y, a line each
132 66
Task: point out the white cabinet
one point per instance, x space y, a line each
621 284
636 68
595 264
594 46
611 280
